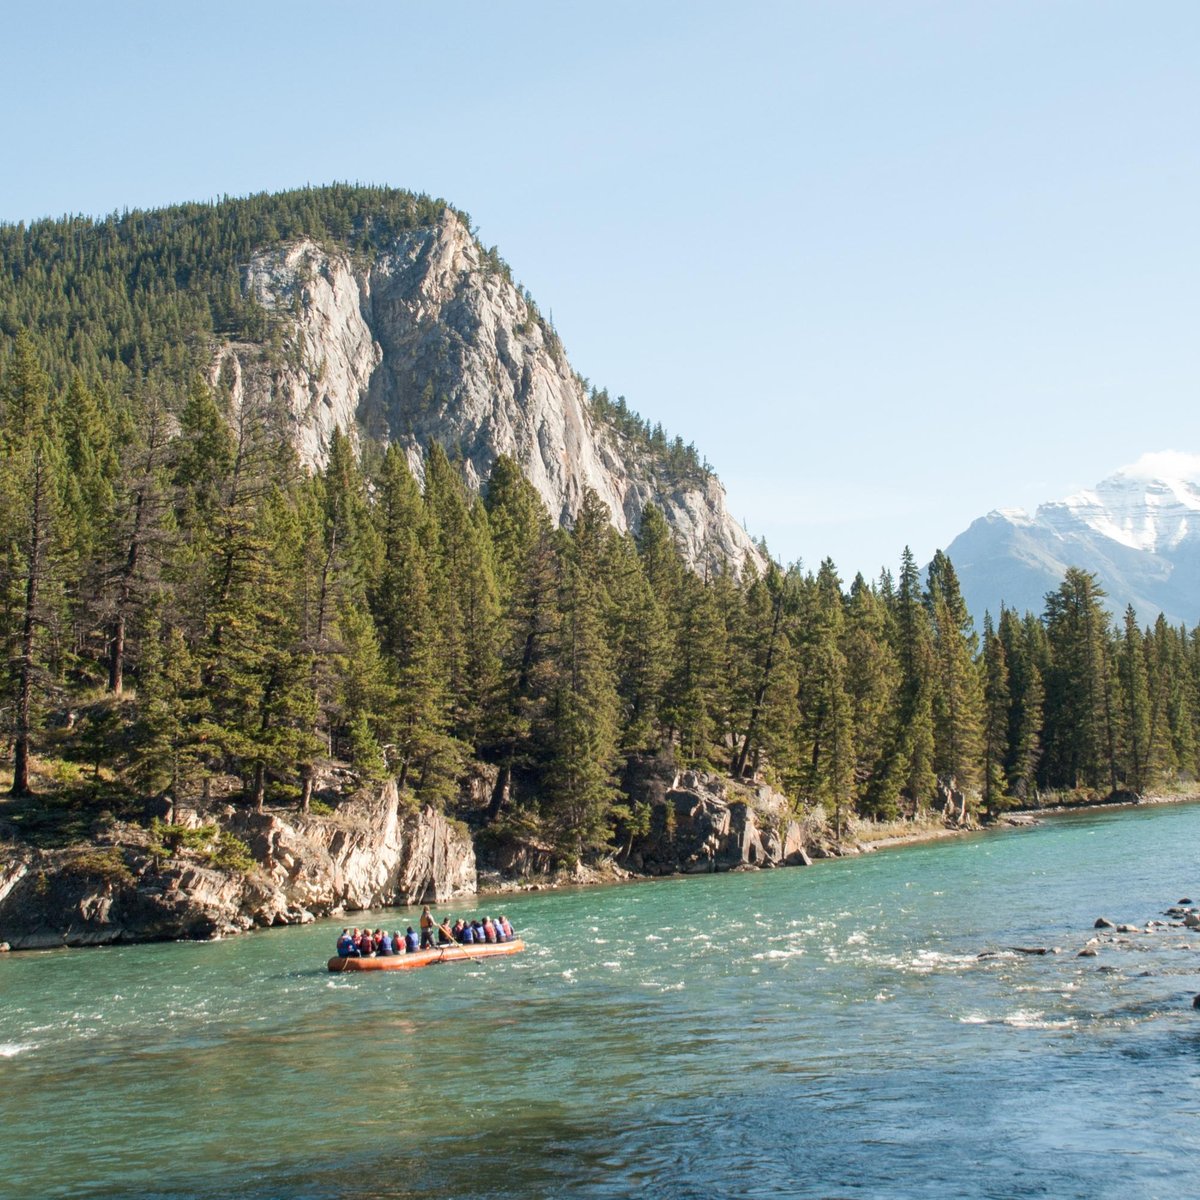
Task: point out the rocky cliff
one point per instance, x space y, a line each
701 823
370 853
430 340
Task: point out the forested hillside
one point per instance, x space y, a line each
142 297
142 294
185 607
191 612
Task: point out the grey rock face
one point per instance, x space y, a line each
434 343
369 854
697 827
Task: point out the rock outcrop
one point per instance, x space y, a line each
700 823
369 853
432 341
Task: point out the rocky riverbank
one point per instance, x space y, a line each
126 886
372 850
133 883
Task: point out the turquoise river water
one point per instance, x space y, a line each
828 1032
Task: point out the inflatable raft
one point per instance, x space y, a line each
427 958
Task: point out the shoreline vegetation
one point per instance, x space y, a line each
241 690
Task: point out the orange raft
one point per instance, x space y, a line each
427 958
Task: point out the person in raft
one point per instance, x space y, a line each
427 924
345 945
445 933
410 941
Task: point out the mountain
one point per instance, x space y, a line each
368 309
1138 531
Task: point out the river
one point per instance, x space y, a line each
822 1032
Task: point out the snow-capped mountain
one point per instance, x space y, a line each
1138 531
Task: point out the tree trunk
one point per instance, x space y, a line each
500 791
116 662
739 765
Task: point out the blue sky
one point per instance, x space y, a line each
888 264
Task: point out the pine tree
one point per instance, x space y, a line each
31 470
1025 655
910 760
692 700
583 711
824 707
760 651
463 590
527 581
135 542
167 752
1135 705
957 696
1080 732
640 638
872 683
996 701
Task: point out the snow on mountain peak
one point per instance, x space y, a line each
1138 531
1152 504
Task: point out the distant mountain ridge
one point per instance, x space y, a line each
1138 531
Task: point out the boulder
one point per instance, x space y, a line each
1104 923
701 823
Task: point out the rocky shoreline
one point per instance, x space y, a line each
374 851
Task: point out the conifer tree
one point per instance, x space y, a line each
421 708
35 552
910 760
1080 718
583 712
526 576
135 542
639 636
167 750
692 701
463 591
872 683
1135 705
760 650
825 712
956 686
1025 655
996 701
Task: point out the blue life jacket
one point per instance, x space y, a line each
468 935
345 945
385 945
410 943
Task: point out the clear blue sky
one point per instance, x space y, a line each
889 264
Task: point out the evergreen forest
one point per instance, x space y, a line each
186 608
188 612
